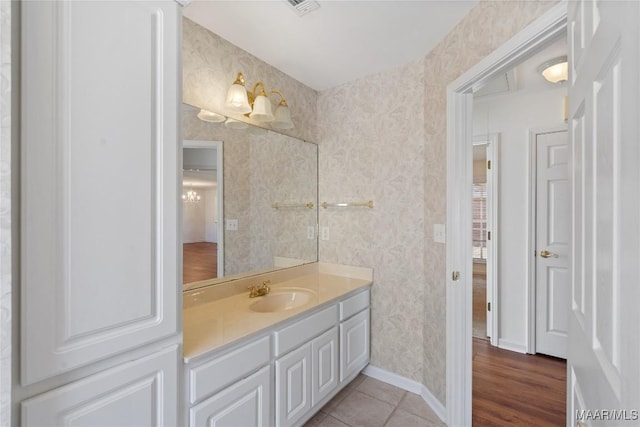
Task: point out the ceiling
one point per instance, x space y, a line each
525 76
339 42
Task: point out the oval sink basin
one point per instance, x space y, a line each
283 299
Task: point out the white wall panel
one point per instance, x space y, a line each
99 161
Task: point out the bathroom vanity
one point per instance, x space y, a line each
278 358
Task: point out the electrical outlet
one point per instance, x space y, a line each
325 233
232 225
311 232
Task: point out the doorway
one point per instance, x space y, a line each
202 211
548 28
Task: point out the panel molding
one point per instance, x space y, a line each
87 294
154 376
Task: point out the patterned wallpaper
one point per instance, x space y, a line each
384 137
372 147
210 65
261 169
5 211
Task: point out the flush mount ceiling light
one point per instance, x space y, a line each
555 70
257 105
210 116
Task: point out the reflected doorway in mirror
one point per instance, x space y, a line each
202 235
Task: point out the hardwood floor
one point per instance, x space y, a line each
199 261
510 388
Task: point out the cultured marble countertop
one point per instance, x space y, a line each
214 324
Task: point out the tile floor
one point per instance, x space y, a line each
367 402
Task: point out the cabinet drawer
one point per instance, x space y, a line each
292 336
246 403
354 304
222 371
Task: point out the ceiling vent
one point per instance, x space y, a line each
302 7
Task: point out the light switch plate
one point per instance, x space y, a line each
325 233
439 233
232 225
311 232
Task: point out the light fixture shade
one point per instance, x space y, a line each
235 124
237 100
209 116
283 118
262 109
555 70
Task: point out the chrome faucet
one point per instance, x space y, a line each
260 290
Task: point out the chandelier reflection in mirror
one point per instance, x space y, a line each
257 105
190 197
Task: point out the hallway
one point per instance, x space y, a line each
511 388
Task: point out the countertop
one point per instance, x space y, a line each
212 325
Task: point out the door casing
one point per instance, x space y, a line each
538 34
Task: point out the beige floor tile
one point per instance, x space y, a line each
337 399
329 421
316 419
358 409
381 390
415 405
402 418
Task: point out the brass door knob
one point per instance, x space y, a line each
546 254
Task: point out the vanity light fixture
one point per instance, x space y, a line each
235 124
257 105
210 116
555 70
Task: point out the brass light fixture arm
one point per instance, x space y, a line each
283 101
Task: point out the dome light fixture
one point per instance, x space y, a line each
555 70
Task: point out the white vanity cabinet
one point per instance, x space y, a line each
284 374
297 370
232 388
355 330
100 275
245 403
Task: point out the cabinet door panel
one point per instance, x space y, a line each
139 393
246 403
293 386
354 344
324 352
99 195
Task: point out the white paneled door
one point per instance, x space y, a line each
604 324
553 227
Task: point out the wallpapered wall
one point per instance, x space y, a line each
386 142
210 65
6 99
371 144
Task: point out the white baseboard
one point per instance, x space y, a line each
408 385
512 346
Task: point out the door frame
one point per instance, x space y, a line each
532 222
492 142
218 145
535 36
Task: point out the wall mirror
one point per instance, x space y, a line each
250 199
